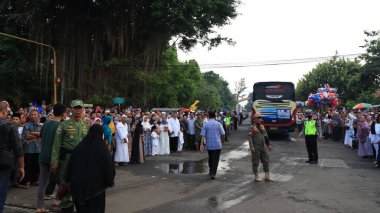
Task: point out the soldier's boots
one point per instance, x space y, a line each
258 178
268 177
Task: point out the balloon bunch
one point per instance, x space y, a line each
325 97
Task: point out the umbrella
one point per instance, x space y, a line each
362 106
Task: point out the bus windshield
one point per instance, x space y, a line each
274 91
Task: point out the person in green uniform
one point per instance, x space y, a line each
311 133
260 147
198 128
68 135
228 124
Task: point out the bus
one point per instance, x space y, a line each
276 103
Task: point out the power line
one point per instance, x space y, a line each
276 62
297 59
185 65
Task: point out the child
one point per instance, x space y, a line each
155 136
180 140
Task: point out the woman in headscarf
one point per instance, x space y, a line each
137 131
371 138
164 146
147 136
117 120
90 171
349 129
364 146
96 121
107 131
376 139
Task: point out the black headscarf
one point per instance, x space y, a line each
90 170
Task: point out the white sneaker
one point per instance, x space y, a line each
258 178
268 177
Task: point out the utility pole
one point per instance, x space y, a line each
54 60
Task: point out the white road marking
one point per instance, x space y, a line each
322 162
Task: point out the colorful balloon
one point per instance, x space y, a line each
324 98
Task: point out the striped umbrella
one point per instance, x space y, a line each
362 106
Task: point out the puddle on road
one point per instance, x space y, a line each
201 167
184 168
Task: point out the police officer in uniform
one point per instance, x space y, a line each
311 136
68 135
260 147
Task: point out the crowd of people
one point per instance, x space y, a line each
47 135
47 145
357 129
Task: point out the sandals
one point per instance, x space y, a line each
48 197
56 203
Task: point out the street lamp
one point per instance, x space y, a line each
54 60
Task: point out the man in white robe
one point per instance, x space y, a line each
121 154
174 129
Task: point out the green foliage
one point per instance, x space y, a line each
356 83
342 74
371 68
116 44
192 21
227 98
19 82
112 62
179 84
97 100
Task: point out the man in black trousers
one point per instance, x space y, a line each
311 136
212 138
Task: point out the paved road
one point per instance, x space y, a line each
341 182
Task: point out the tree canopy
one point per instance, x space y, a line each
356 80
103 43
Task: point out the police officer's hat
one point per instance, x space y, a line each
77 103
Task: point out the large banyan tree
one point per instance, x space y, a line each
109 47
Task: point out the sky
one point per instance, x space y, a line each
274 30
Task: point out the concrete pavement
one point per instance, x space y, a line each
341 182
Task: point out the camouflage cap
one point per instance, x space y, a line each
76 103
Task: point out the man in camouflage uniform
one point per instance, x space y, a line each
260 148
69 134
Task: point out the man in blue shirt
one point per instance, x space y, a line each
31 141
212 138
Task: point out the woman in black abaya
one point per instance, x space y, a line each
90 172
137 131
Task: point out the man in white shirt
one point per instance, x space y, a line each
191 132
174 128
